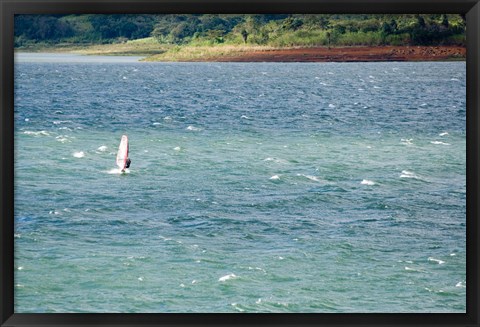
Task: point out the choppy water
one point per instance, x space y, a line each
319 187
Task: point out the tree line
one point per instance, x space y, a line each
276 29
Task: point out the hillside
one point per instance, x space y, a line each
166 36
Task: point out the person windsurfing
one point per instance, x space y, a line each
127 162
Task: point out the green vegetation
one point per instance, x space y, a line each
155 34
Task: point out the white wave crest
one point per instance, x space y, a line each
102 148
413 269
79 154
276 160
439 143
367 182
461 284
406 141
62 138
440 262
310 177
408 174
227 277
57 122
193 128
118 171
235 305
45 133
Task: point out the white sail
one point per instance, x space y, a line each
122 153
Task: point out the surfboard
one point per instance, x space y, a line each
122 153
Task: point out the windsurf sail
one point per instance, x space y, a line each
122 153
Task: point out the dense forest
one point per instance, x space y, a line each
274 30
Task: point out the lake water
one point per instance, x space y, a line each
254 187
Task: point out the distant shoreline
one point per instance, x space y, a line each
268 54
349 54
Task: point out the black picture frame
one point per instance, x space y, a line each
471 8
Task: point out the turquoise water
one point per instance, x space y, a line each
262 187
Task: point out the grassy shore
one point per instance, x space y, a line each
207 53
151 49
154 51
141 47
